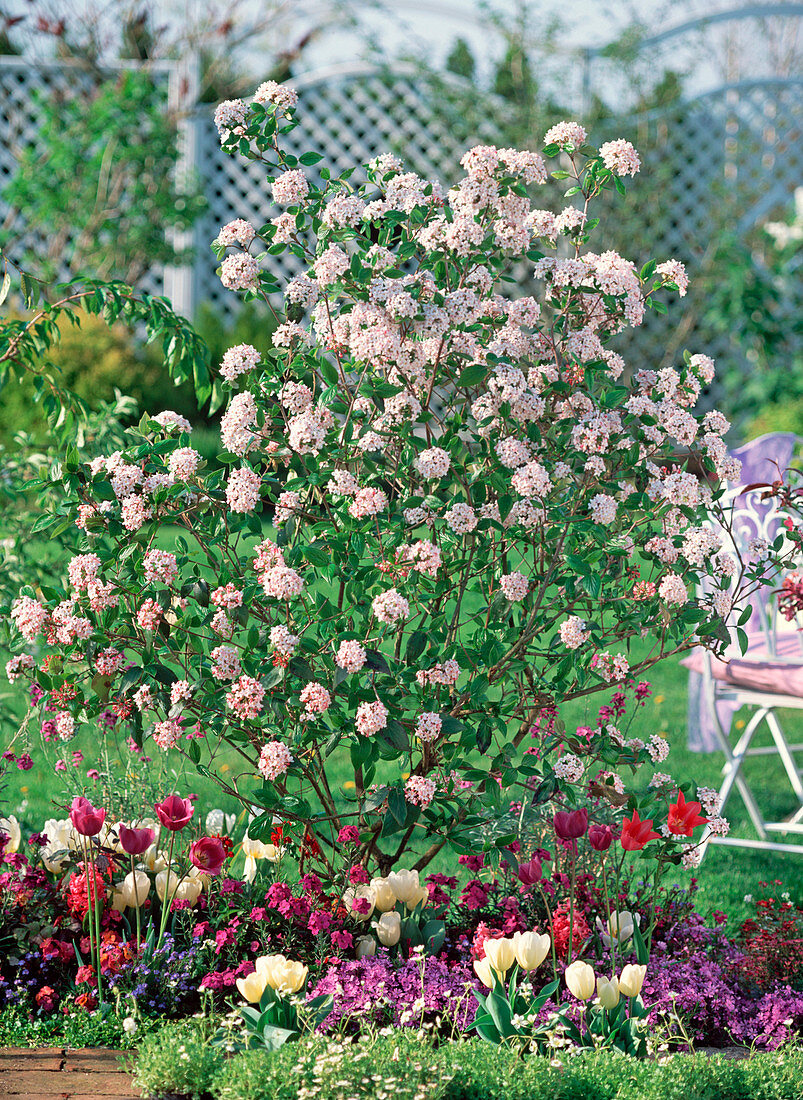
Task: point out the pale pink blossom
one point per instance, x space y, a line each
371 718
429 725
282 583
390 607
245 697
315 699
274 760
419 790
514 585
350 656
240 272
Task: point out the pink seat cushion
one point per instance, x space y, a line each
780 674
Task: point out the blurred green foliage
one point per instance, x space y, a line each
99 189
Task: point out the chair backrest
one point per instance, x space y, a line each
751 518
767 457
764 459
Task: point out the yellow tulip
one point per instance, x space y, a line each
632 979
580 980
607 992
501 954
531 949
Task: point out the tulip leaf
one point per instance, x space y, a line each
642 954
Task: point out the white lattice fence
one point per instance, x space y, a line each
348 116
737 149
714 166
25 89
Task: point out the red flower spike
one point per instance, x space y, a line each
684 817
637 833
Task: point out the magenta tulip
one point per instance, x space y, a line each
174 812
208 854
600 837
570 824
531 873
135 841
86 819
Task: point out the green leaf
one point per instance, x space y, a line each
397 804
472 376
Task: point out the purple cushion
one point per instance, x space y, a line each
780 674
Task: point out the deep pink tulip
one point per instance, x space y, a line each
174 812
135 841
570 824
600 837
208 854
531 873
86 819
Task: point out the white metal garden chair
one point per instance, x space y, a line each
768 677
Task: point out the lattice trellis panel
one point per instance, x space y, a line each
715 166
25 88
348 119
723 162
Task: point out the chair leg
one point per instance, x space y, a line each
785 754
733 777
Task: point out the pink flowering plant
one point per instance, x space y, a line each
439 512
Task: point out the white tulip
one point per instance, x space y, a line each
385 898
531 949
219 823
61 837
254 850
607 992
580 980
405 885
486 973
353 894
501 954
388 929
365 947
632 979
11 827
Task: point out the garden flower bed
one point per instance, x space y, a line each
438 516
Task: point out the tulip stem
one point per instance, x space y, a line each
93 912
552 933
167 900
89 912
136 901
571 902
614 938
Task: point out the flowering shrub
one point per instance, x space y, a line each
476 508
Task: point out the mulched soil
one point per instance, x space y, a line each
56 1073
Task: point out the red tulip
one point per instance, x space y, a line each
600 837
86 819
208 854
174 812
531 873
684 816
570 824
636 833
135 841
